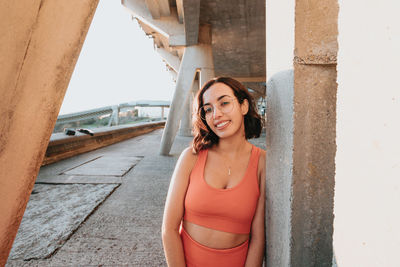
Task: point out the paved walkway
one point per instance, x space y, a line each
125 229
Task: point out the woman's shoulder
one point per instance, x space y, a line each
188 156
189 153
261 158
185 163
261 166
263 153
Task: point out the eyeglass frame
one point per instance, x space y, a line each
213 106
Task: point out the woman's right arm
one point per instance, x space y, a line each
174 209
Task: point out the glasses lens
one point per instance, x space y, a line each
225 104
206 111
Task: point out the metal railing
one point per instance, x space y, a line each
110 110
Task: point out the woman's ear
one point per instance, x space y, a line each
244 106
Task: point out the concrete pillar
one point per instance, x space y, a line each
185 128
195 57
279 174
40 43
314 132
206 74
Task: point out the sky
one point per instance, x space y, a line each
117 64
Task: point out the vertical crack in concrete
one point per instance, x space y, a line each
10 112
28 45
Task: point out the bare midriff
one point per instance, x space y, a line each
214 238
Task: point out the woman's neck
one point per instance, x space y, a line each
233 145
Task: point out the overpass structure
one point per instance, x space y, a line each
322 157
199 40
113 110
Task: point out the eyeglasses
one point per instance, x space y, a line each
225 105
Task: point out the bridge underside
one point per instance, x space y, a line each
219 38
41 41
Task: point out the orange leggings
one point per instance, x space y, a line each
198 255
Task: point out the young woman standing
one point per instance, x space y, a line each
214 212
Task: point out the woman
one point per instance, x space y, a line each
214 212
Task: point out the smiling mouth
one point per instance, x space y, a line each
222 125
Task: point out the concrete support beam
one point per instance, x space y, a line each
154 8
41 41
194 58
164 7
185 128
314 135
206 74
158 8
279 174
179 7
191 18
168 26
171 60
174 74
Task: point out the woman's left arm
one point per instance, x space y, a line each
256 250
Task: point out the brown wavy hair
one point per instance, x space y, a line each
204 137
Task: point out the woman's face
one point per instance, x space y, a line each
224 114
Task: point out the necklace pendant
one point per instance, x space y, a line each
229 171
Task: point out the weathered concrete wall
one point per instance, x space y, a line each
280 165
280 35
367 190
314 132
40 43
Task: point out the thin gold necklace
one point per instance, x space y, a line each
229 170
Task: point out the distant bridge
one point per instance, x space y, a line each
113 110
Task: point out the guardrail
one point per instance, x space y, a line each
113 110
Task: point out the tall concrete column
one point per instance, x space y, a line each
185 128
314 132
195 57
40 44
279 174
206 74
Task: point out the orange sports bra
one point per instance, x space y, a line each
230 210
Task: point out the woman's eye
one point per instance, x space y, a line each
208 110
225 103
